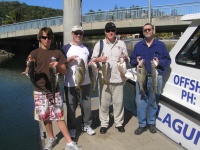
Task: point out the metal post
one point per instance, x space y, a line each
149 14
71 16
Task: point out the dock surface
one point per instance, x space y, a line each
114 140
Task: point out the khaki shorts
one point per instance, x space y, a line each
44 110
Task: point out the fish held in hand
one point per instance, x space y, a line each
104 71
53 80
93 70
79 73
121 65
141 75
154 76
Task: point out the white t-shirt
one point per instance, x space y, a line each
82 52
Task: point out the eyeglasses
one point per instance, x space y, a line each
78 33
147 30
46 37
113 30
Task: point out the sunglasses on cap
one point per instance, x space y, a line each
111 30
78 33
147 30
46 37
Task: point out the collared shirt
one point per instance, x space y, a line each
113 51
156 49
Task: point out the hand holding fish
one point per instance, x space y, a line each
53 64
29 59
124 56
91 62
72 58
101 59
157 60
138 59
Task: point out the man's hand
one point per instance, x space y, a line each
138 59
156 59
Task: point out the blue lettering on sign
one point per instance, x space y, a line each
188 83
189 97
180 127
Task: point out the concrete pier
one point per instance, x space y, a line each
114 140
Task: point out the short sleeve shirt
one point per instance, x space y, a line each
113 52
43 58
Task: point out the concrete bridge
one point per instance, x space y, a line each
165 18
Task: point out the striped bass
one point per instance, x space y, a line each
141 75
79 73
93 70
104 71
121 65
154 76
53 80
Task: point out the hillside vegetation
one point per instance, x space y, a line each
14 11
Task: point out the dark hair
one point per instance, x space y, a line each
148 24
47 30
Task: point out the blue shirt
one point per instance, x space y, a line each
157 49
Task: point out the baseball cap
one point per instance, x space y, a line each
109 26
76 28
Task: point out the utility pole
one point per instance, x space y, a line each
149 14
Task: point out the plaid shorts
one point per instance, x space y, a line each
44 110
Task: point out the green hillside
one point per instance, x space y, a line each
14 11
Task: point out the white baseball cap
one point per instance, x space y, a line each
76 28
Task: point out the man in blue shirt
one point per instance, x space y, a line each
151 51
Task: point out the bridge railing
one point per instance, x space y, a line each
32 24
142 12
117 14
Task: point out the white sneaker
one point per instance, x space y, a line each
51 143
89 130
72 146
72 133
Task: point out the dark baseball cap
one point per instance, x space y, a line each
110 26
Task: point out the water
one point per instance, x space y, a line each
18 129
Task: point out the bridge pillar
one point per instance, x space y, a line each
71 16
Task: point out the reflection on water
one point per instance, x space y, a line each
18 129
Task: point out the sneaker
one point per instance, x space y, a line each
51 143
72 133
72 146
89 130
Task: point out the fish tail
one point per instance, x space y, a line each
155 91
79 91
142 91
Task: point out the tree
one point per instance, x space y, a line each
13 17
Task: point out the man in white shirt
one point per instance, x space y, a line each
73 51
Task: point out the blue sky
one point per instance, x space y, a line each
102 4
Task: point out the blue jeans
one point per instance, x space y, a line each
147 104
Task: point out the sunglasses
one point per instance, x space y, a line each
147 30
113 30
46 37
78 33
